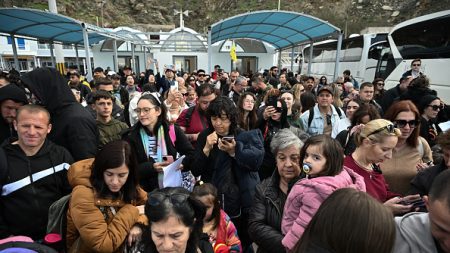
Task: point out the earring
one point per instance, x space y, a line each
306 168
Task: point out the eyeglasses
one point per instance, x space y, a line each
144 110
416 65
340 83
157 198
436 107
389 128
402 123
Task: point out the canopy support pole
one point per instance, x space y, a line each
311 48
338 53
88 69
292 59
279 59
14 48
52 54
133 57
209 50
145 57
116 61
77 58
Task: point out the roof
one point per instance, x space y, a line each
282 29
47 26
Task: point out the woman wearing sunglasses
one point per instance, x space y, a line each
412 152
429 108
176 223
375 144
102 214
155 142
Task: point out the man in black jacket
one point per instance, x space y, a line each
73 127
11 98
32 175
394 93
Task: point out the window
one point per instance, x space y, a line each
20 43
427 40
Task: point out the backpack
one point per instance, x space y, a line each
187 119
57 218
311 114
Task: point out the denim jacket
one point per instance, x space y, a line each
317 123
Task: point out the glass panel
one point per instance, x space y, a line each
427 40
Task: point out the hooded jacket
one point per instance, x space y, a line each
413 234
90 218
16 94
306 197
73 127
25 211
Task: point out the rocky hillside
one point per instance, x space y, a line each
352 15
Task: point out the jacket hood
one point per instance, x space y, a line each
346 179
13 92
50 87
413 234
80 172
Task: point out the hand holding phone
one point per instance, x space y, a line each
228 139
168 158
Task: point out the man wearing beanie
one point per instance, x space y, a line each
11 98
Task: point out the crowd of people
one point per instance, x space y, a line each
271 162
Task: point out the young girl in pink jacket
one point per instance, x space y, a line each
322 161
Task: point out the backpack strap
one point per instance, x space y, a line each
311 116
188 117
338 110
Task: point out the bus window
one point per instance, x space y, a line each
386 62
352 49
425 40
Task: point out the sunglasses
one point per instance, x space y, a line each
201 75
340 83
436 107
328 119
389 128
380 84
416 65
402 123
157 198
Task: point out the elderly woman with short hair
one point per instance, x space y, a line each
270 197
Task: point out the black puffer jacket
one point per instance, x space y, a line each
72 126
25 211
266 215
235 178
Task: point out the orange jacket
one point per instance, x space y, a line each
97 231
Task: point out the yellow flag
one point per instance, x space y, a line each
233 52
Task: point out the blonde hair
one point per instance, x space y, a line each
372 131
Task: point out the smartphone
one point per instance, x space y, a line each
168 158
272 101
228 138
415 203
174 86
